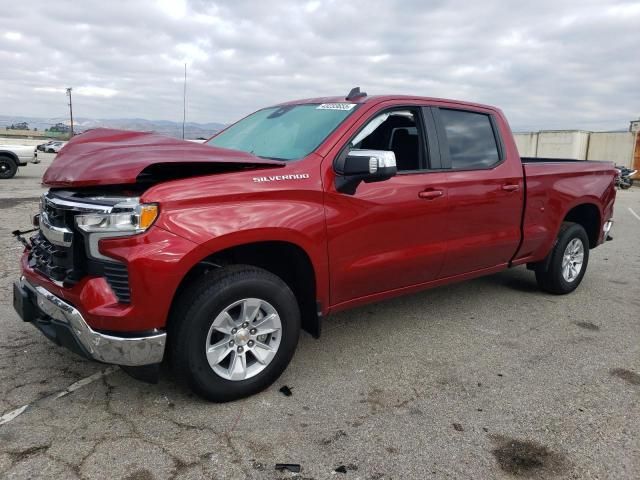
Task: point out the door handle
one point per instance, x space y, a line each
511 188
430 194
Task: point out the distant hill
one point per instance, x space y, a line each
192 130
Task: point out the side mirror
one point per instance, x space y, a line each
355 166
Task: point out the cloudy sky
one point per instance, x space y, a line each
546 63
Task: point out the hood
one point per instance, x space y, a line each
116 157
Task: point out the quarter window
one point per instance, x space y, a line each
471 140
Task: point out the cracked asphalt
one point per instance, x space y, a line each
485 379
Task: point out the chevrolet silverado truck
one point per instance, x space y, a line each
14 156
214 256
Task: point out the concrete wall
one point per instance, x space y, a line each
21 141
563 144
617 147
614 146
527 143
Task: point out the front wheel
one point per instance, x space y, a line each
568 262
8 167
234 332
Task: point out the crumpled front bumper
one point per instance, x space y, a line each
64 325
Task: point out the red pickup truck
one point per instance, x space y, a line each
216 255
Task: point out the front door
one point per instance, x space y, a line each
388 234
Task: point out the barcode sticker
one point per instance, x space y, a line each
336 106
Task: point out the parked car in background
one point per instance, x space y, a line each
221 253
54 147
14 156
43 146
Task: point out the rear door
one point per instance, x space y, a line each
485 191
389 234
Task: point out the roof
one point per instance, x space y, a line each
381 98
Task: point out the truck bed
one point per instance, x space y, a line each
552 184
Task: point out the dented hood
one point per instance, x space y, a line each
115 157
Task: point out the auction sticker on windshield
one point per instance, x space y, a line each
336 106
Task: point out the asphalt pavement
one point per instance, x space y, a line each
485 379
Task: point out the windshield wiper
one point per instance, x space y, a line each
272 158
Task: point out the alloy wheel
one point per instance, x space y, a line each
243 339
572 260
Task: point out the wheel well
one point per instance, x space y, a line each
286 260
10 155
588 216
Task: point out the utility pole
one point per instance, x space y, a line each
70 108
184 100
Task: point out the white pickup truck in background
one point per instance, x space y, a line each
14 156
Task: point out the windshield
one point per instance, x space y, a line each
289 132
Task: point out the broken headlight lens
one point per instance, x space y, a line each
130 219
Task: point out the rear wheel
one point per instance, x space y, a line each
8 167
568 262
234 332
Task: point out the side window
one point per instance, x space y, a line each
395 130
472 143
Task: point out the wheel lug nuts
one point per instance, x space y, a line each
245 325
253 331
240 349
250 343
231 343
234 330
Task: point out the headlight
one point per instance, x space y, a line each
130 219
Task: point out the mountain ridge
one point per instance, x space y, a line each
193 130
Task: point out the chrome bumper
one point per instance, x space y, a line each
129 351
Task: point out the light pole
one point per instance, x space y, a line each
70 109
184 100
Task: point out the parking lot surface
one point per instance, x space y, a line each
485 379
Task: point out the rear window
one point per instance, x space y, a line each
471 140
289 132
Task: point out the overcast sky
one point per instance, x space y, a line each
547 64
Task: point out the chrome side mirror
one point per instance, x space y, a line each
355 166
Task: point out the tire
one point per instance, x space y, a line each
8 167
51 150
572 240
200 312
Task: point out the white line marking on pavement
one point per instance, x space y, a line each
7 417
634 213
85 381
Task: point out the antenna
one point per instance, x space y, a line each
184 100
355 93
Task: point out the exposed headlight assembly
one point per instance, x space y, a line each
123 219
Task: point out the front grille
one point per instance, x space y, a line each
69 264
50 260
117 276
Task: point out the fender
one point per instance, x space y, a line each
217 212
316 252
